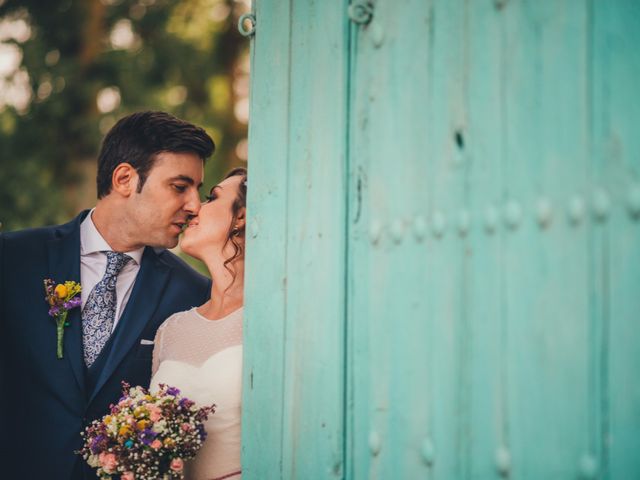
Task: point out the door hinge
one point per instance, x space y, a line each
361 11
250 19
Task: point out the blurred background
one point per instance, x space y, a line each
69 69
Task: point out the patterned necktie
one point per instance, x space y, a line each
99 311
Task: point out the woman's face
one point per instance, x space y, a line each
207 232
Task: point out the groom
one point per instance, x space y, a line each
149 170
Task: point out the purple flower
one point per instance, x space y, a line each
53 311
173 391
201 431
73 303
147 436
98 444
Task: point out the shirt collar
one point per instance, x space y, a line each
91 241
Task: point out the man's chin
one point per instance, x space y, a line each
173 243
168 243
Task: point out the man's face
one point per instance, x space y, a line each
167 200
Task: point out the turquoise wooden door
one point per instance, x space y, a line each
296 292
443 274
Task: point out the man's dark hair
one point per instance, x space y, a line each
138 138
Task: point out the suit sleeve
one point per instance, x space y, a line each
1 286
4 387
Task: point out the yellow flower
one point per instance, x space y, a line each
61 291
73 288
124 431
169 442
108 419
139 412
142 424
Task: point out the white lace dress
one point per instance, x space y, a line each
203 358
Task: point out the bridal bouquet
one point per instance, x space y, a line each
146 435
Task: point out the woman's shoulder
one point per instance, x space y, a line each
177 320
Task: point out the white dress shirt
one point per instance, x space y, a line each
93 265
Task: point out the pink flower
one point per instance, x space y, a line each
176 465
156 444
127 476
186 427
108 462
155 412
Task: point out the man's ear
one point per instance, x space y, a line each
124 180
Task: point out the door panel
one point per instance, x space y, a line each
443 268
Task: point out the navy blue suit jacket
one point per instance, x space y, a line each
46 402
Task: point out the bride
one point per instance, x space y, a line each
199 351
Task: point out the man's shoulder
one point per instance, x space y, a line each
28 236
38 234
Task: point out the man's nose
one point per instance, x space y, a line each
192 206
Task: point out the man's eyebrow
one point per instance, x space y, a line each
186 179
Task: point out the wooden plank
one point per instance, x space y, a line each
405 307
313 442
616 171
483 149
294 365
266 269
448 263
359 404
397 198
547 306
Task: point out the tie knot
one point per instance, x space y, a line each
116 262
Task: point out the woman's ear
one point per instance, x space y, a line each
241 219
124 180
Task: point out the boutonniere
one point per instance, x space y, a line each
61 298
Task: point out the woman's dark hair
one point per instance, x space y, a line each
236 233
138 138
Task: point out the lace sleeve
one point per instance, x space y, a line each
158 345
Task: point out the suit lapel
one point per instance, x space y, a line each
145 298
64 264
